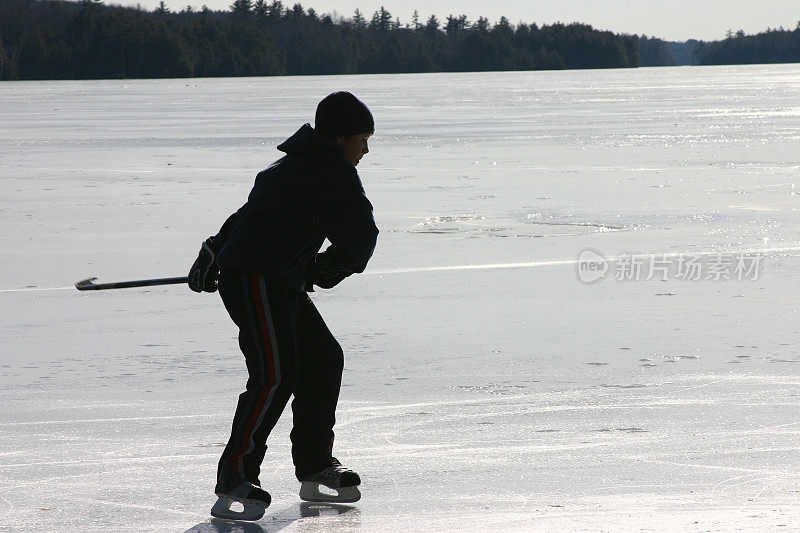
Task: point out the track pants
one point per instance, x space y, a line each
289 351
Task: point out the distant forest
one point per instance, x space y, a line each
772 46
56 39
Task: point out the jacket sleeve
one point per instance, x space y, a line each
344 214
225 230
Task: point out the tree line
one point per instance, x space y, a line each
57 39
771 46
54 39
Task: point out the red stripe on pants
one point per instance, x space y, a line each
265 331
269 356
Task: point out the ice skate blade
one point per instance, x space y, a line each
309 491
222 509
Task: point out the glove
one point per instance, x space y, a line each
204 272
326 274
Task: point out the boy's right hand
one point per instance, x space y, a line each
204 272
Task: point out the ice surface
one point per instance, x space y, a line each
487 388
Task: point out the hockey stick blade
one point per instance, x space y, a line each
90 285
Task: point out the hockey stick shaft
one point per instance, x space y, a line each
89 285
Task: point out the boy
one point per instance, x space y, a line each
264 258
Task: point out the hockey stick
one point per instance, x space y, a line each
89 285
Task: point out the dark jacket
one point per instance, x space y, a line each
310 194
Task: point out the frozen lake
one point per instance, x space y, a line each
489 386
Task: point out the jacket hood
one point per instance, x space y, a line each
306 139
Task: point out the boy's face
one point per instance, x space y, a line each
354 147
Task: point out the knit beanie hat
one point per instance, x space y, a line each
341 114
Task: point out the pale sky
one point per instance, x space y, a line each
668 19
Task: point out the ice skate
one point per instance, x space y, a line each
342 481
252 497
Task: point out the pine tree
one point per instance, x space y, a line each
297 12
275 12
162 8
358 19
241 8
432 24
261 10
381 20
456 24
